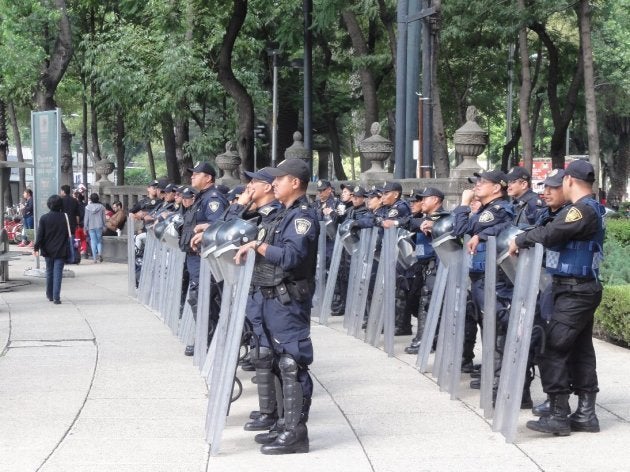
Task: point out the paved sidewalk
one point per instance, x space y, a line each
98 383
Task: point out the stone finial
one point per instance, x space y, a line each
229 162
470 141
297 149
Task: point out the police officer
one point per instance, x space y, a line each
209 205
494 215
574 242
527 203
258 201
148 203
325 205
427 205
395 212
282 286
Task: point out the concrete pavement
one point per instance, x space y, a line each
98 383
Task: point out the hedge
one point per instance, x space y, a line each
613 314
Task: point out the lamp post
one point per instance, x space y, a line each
274 52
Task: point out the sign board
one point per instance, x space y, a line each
46 132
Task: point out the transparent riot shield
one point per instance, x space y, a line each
131 257
363 267
203 314
519 334
176 261
433 316
489 328
148 268
331 280
320 272
374 326
389 256
186 330
222 375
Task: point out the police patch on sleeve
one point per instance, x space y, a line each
213 206
265 211
391 213
486 217
573 215
302 225
261 234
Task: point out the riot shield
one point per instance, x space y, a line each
225 361
186 330
176 261
389 256
489 328
320 272
358 297
375 317
331 281
519 334
131 257
203 313
148 268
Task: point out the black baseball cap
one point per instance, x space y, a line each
204 168
262 174
295 167
494 176
518 173
323 185
554 178
189 192
430 192
391 187
170 188
235 192
582 170
358 191
154 183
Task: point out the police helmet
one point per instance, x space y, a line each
349 238
233 234
171 233
406 253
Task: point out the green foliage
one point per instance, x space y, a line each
613 314
619 229
136 176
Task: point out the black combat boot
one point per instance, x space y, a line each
526 399
544 409
270 436
266 386
414 346
584 419
558 422
294 438
190 350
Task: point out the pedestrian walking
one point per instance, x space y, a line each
94 222
52 240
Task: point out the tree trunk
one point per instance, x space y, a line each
368 85
18 145
619 166
524 94
388 18
182 136
440 146
96 146
52 71
4 154
168 135
84 137
509 147
584 19
333 135
244 102
560 117
120 148
151 161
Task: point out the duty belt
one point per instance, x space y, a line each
571 280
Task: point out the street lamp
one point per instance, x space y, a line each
274 52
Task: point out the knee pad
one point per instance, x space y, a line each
287 365
262 358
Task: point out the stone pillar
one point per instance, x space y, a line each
297 149
470 141
377 150
229 162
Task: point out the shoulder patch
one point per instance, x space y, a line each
486 217
573 215
302 225
391 213
213 206
265 210
262 232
